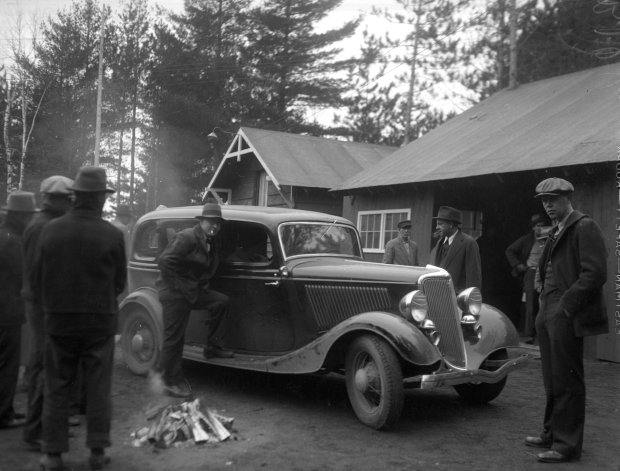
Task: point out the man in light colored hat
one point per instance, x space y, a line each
456 252
402 250
80 270
186 267
19 210
56 199
573 270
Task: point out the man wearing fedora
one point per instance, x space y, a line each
573 269
80 269
402 250
19 209
186 267
56 199
523 256
456 252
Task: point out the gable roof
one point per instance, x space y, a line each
307 161
566 120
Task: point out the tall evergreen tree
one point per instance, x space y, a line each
289 66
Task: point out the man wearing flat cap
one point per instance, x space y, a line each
572 269
456 252
186 267
402 250
56 199
80 269
19 210
523 256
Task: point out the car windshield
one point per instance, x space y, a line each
311 238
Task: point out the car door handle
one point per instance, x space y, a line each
273 283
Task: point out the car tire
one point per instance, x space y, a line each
482 393
140 341
374 382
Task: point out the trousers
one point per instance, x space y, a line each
561 354
10 340
63 357
176 312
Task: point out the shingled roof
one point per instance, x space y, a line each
566 120
306 161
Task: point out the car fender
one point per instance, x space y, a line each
406 339
148 299
494 331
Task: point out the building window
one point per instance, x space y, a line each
378 227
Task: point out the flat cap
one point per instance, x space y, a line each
554 187
56 185
405 223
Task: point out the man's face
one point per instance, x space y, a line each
211 226
537 228
405 232
557 207
445 228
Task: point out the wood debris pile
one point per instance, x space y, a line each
188 421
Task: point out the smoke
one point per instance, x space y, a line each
156 383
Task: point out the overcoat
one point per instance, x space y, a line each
462 262
11 271
579 264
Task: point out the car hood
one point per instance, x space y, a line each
325 268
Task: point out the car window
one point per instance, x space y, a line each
152 237
245 243
318 238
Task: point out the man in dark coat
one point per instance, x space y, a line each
523 256
20 208
402 250
80 270
56 201
455 251
573 269
186 267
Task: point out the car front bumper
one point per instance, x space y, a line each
450 377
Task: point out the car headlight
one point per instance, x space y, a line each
470 302
414 304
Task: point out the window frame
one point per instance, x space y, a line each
383 230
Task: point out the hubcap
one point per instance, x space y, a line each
361 380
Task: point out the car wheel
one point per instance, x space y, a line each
140 341
482 393
374 382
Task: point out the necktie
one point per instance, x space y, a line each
443 250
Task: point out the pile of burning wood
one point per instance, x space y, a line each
179 423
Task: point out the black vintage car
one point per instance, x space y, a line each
303 300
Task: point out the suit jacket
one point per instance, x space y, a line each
11 270
519 251
462 262
80 269
188 263
396 253
579 264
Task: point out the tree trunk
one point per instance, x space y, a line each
414 59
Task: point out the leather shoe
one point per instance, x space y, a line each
13 423
216 351
553 456
98 460
537 442
74 421
32 445
177 390
51 463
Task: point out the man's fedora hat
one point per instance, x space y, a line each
449 214
91 179
405 223
211 211
56 185
554 187
20 202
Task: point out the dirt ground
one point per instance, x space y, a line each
295 423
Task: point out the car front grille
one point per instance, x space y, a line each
444 312
333 304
